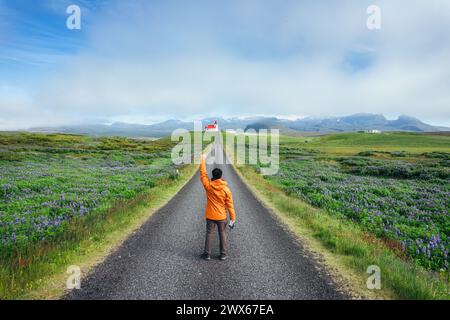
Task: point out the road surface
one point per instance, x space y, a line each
161 260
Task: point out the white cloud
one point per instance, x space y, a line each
241 57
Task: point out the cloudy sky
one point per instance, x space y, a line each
147 61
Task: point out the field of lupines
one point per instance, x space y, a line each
48 180
400 196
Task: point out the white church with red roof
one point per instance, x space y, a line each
212 127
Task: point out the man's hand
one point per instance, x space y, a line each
231 224
202 156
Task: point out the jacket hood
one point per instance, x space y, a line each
218 184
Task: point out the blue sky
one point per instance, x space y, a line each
34 40
146 61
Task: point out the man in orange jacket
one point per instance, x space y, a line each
218 200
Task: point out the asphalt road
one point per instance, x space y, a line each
161 260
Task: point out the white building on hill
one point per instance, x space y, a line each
212 127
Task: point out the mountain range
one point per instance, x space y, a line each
356 122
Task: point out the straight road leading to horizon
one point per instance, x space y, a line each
162 259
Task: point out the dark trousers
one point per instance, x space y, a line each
222 226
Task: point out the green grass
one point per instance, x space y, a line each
47 180
402 140
352 143
68 199
349 248
369 199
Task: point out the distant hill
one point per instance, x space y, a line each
356 122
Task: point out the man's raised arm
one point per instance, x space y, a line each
203 175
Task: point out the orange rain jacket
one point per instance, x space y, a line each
218 197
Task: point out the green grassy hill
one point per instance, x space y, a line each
351 143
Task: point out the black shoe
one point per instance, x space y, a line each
223 257
206 256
